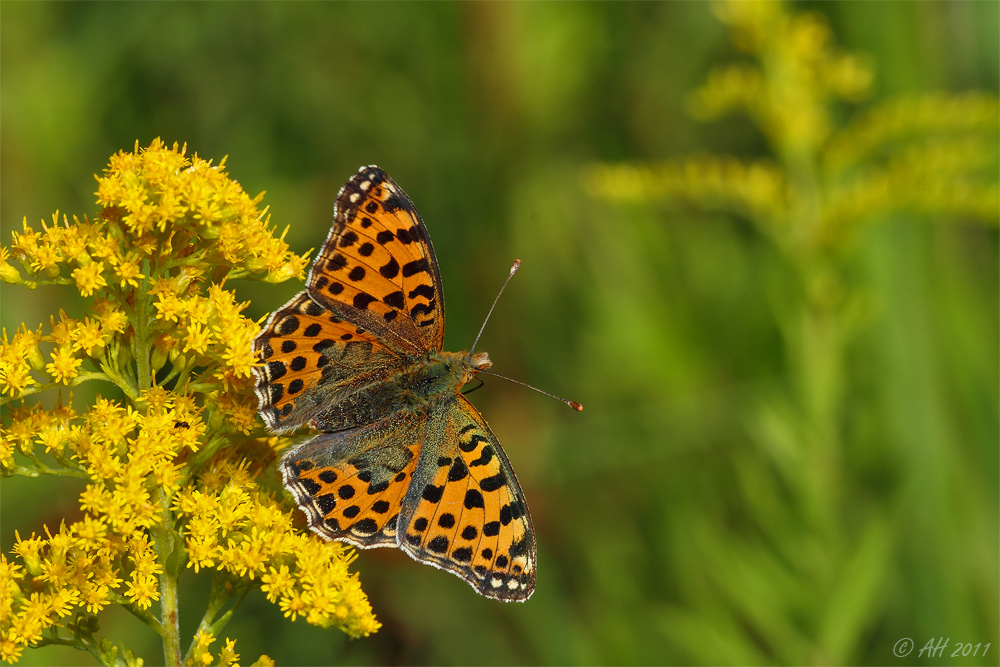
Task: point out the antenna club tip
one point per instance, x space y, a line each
576 406
515 267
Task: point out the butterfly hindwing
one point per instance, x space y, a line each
465 512
313 359
377 266
351 484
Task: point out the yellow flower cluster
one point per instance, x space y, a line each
755 189
232 526
70 340
106 557
167 221
205 330
789 104
227 657
898 120
166 472
935 155
171 205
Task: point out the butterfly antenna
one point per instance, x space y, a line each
573 404
513 270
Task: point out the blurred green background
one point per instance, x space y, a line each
789 452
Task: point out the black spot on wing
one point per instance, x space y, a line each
420 308
425 291
395 300
415 267
391 269
492 483
472 443
433 493
473 499
439 544
484 457
362 300
309 486
336 263
458 471
287 326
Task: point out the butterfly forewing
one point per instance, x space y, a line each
465 511
378 267
313 359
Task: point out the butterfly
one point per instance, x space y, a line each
402 459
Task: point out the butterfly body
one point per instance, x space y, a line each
402 458
418 387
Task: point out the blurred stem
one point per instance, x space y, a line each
816 349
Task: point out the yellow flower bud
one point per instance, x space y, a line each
9 274
35 359
158 358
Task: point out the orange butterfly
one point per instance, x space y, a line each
403 458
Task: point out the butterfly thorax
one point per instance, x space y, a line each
437 376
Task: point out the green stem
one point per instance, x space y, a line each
206 452
52 636
79 379
142 614
215 603
143 345
94 648
165 546
41 469
218 625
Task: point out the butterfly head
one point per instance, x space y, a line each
480 361
472 364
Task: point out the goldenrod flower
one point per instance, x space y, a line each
64 365
127 269
88 336
168 464
90 278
